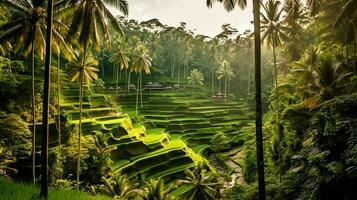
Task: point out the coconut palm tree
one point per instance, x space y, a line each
273 34
213 60
196 78
225 71
141 63
201 185
348 17
121 58
229 5
26 27
121 188
90 19
46 99
155 190
85 72
134 42
321 79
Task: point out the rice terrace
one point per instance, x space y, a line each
190 100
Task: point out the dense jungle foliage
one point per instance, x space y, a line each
144 110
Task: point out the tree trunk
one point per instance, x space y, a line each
46 98
141 90
248 89
129 81
59 102
212 78
173 69
346 47
258 100
117 81
114 70
278 109
178 76
219 86
103 74
229 86
33 108
225 88
80 116
137 95
355 47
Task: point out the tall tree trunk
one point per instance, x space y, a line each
229 86
117 81
114 70
33 107
141 90
219 86
355 47
81 76
173 69
212 78
249 75
46 99
137 95
346 47
258 100
186 70
59 102
129 81
103 74
278 108
178 76
225 88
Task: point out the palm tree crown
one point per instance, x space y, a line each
272 25
229 5
196 77
92 19
88 69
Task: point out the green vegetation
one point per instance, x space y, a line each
188 128
20 191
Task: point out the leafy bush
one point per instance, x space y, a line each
14 133
220 142
250 166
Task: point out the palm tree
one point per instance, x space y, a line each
295 20
229 5
26 26
348 17
90 18
321 79
134 42
201 185
120 57
121 188
84 71
273 34
155 190
141 63
225 71
212 52
196 78
46 98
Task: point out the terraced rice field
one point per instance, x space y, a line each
195 120
136 151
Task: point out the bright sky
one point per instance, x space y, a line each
198 17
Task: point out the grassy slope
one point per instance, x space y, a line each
10 190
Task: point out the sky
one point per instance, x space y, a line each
198 17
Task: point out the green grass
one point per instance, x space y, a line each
10 190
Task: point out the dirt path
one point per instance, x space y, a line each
233 156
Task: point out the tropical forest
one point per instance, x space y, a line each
178 100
